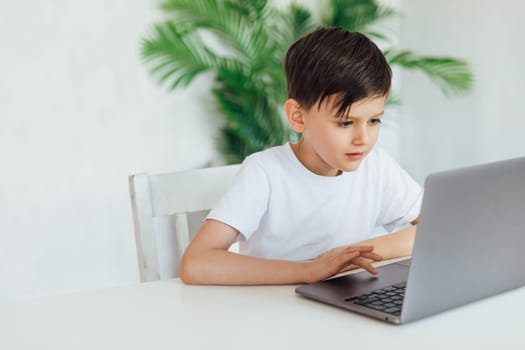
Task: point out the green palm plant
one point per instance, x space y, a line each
243 43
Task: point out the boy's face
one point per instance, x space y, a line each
329 143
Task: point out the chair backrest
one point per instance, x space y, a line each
167 211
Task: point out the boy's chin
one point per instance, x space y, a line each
348 168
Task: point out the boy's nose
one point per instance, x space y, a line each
360 136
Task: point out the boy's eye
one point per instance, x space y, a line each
375 121
345 123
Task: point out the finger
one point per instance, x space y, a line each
365 265
349 256
361 248
372 255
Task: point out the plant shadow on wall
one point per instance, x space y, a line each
253 36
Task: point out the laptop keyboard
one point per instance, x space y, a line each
388 299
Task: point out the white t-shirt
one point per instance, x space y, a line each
285 211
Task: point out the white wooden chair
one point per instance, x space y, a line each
167 211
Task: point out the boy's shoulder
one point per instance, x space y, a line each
273 163
272 156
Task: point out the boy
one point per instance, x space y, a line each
298 210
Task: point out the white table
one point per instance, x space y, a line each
171 315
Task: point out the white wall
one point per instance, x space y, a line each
78 114
489 124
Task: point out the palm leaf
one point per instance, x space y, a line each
301 22
253 9
174 56
453 76
250 113
357 15
231 21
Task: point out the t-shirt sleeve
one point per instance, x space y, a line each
246 201
401 195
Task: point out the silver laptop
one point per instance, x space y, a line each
469 246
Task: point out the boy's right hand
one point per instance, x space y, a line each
338 260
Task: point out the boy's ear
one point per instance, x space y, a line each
295 114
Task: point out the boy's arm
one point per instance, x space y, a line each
208 261
395 244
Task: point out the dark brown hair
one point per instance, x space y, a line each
335 61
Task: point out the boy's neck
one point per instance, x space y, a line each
298 151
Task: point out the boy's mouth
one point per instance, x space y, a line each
355 156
